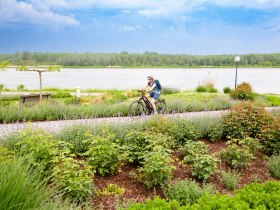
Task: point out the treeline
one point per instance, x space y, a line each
147 59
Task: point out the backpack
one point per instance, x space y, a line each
158 84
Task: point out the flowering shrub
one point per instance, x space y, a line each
243 92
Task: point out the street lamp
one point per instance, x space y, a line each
236 59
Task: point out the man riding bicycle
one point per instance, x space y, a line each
154 94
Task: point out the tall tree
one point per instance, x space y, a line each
40 70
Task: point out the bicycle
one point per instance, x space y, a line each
143 106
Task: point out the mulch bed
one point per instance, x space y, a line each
136 191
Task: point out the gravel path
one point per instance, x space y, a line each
54 126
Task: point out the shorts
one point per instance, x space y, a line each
154 96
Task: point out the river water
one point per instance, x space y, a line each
263 80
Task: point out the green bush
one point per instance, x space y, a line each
229 179
209 127
192 149
156 168
236 156
21 87
40 147
243 92
270 137
251 144
136 143
183 131
73 177
203 167
61 94
169 90
227 90
78 136
274 166
201 89
155 204
261 196
186 191
212 90
103 154
246 120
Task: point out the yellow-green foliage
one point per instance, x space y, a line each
111 189
243 91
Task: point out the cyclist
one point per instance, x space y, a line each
154 92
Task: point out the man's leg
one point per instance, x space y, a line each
153 102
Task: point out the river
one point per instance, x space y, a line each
263 80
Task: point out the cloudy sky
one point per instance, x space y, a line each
163 26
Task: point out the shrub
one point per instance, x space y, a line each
212 90
183 131
246 120
61 94
227 90
136 143
186 192
243 92
192 149
74 177
169 90
229 179
157 203
236 156
21 87
40 147
264 195
201 89
251 144
203 167
78 136
209 127
103 154
156 168
274 166
270 137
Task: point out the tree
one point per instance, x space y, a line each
40 70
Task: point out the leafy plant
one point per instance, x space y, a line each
236 156
39 146
243 91
156 168
169 90
21 87
192 149
103 154
186 191
157 203
201 88
274 166
203 167
246 120
252 144
227 90
270 137
183 131
111 189
229 179
74 177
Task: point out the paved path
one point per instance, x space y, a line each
54 126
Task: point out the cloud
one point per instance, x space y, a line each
127 28
33 13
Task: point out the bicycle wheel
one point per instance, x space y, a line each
136 109
161 107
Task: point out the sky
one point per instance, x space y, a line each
137 26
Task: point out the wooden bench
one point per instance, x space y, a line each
33 98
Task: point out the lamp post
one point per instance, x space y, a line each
236 59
